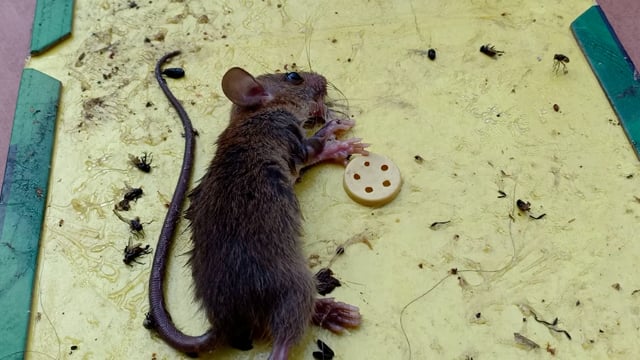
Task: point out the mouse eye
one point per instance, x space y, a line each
294 78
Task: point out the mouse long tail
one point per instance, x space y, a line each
159 317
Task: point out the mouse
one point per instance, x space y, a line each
250 275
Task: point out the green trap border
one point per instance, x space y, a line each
25 185
52 23
612 67
22 204
24 191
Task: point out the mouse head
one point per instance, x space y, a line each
301 93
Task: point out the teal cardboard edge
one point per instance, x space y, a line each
22 204
52 23
613 69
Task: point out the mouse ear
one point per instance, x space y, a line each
243 89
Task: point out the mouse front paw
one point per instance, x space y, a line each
341 150
334 127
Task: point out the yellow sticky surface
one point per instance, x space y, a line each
480 124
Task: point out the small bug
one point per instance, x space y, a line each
135 225
326 283
556 107
439 224
123 205
560 59
431 54
174 73
551 350
143 162
325 353
524 206
133 252
133 194
490 51
148 322
521 340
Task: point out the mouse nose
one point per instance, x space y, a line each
318 83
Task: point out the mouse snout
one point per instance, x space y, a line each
318 83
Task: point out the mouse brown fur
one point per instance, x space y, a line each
249 271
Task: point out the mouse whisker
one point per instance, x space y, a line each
342 95
331 114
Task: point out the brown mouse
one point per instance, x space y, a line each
249 271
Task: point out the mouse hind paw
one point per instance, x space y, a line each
335 316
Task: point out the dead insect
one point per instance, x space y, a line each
438 224
143 163
521 340
431 54
340 250
502 194
325 282
148 322
550 325
524 206
174 73
73 348
419 159
133 252
556 107
325 353
558 60
133 194
490 51
134 224
551 350
123 205
616 286
194 132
